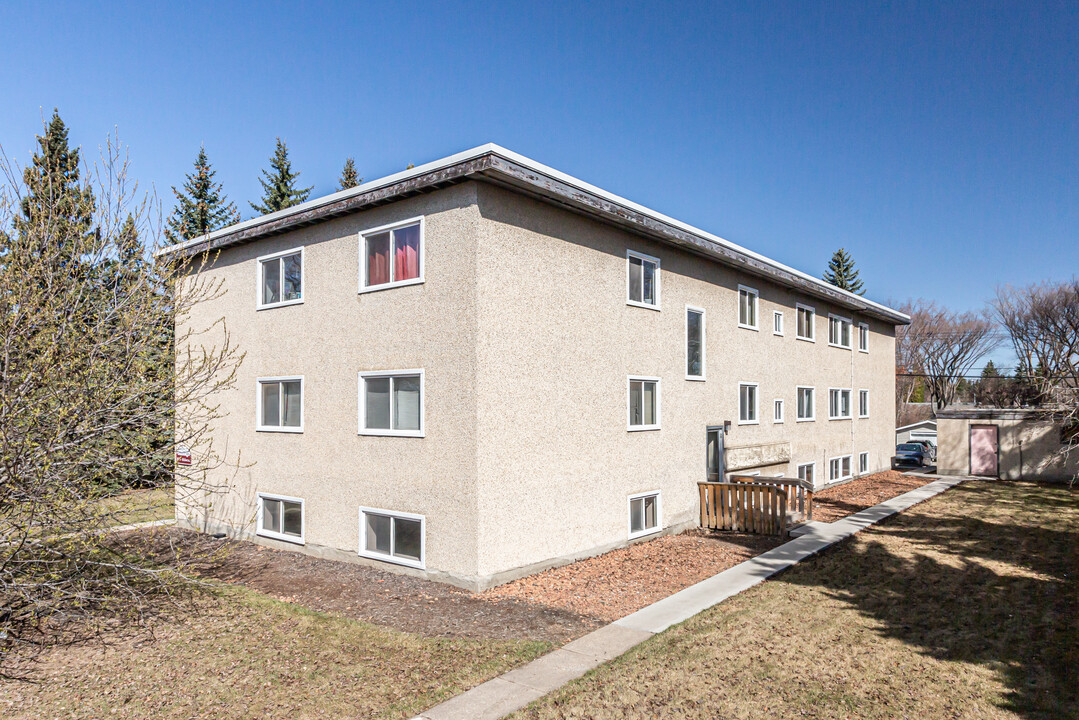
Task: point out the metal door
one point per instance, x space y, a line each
983 450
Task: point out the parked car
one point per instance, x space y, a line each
930 448
909 455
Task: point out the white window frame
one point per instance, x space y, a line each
704 366
390 432
863 393
850 403
756 403
798 471
781 416
389 228
659 514
850 467
373 555
259 305
813 394
756 308
850 331
659 401
259 427
777 321
656 278
863 463
281 536
863 328
812 337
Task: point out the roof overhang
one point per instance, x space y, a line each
494 164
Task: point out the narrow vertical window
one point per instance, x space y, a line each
280 279
642 281
805 403
806 317
863 403
863 337
392 256
747 307
863 463
694 343
643 403
747 403
777 411
777 323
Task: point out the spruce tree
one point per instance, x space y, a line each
201 207
349 178
56 204
279 189
842 273
990 371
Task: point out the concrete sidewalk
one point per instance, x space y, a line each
515 689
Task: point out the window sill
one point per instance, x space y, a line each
281 536
812 419
749 422
841 347
285 303
695 378
646 306
645 533
393 433
391 286
805 339
864 352
777 334
293 430
391 559
778 422
863 417
642 428
754 328
838 418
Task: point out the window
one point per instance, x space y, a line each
839 331
805 403
838 404
280 279
392 536
863 403
644 517
392 256
747 404
863 462
863 337
391 403
280 518
694 343
643 401
839 468
777 323
807 472
642 280
279 404
747 307
777 411
806 317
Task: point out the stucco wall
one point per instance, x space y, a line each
329 338
1027 447
557 341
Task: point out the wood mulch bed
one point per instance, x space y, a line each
843 500
617 583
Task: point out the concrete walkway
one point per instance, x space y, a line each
515 689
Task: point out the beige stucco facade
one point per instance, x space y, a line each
526 340
1028 443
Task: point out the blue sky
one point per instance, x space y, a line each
938 143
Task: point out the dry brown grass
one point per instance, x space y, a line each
135 506
247 656
961 607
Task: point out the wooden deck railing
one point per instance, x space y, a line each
754 504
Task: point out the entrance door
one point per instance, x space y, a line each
714 460
983 450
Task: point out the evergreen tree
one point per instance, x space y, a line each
56 205
349 179
201 207
990 371
279 189
842 273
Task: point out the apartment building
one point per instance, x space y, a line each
482 367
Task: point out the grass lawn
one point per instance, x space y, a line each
244 655
135 506
966 606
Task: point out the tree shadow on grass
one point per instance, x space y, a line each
995 592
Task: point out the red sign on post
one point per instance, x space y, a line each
183 456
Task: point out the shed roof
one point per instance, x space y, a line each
495 164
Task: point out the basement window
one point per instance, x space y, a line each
280 517
644 514
839 468
395 537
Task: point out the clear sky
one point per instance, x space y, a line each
936 141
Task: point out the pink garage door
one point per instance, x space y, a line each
983 450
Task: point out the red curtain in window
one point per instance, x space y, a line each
406 260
